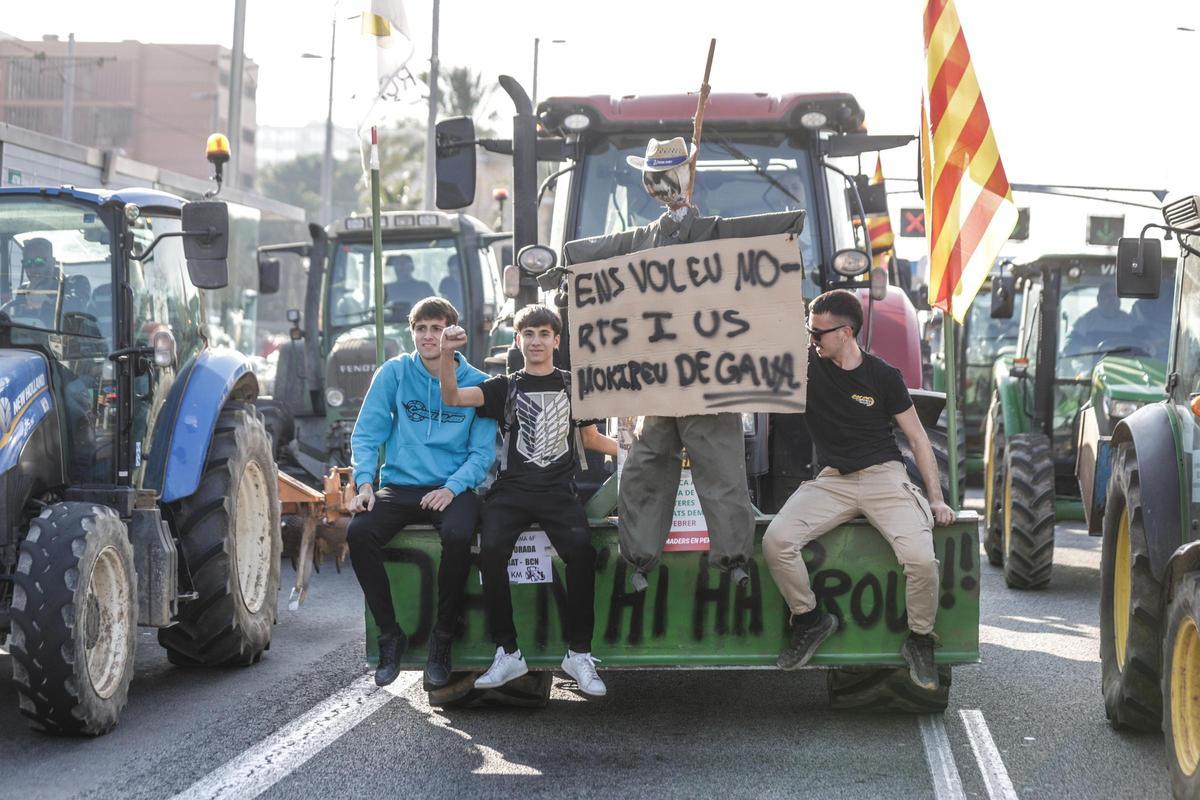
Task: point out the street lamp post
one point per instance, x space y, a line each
536 44
326 212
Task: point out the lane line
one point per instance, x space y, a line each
995 776
260 767
947 785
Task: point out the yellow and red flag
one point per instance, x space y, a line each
879 226
969 209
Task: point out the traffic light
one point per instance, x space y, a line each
1105 231
912 222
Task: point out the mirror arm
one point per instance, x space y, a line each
862 214
146 253
1179 232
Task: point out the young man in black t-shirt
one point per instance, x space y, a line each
853 400
536 463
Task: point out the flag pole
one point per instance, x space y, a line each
950 341
698 120
377 247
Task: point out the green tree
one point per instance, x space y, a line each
299 182
462 92
401 166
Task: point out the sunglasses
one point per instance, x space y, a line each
817 333
34 261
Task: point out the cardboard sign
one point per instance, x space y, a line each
690 329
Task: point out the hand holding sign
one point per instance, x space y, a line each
453 337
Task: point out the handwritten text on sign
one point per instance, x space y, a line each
690 329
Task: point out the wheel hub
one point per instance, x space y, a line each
1121 590
107 622
1185 696
253 536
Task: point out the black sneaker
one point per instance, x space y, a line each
437 667
804 640
391 648
918 654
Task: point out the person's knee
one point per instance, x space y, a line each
921 565
493 551
360 534
579 548
456 535
777 543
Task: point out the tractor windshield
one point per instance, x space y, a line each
736 175
1093 322
412 271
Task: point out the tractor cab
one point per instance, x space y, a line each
325 370
1084 359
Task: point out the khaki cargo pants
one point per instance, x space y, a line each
890 502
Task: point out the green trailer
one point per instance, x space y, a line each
693 617
1075 369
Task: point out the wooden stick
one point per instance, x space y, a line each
698 120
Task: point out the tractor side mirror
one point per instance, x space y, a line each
1003 296
1139 267
206 243
268 274
455 163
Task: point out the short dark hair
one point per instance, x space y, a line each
536 317
433 308
841 303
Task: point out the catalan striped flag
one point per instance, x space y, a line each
969 209
879 226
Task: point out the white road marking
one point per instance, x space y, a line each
995 776
257 769
947 785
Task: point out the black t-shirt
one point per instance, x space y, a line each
849 412
541 444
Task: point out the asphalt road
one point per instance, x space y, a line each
695 734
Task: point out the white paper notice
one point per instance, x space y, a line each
530 562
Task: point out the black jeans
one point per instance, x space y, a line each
507 513
396 507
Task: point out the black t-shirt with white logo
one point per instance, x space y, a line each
849 412
541 442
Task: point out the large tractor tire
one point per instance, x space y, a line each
74 620
528 691
941 453
1181 687
993 488
1130 628
230 542
939 437
1028 511
889 689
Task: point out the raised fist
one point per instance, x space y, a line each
453 337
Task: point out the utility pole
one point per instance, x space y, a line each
431 126
236 69
327 162
68 118
533 99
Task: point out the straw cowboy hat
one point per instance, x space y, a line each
662 156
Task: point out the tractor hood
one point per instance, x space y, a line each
25 399
351 365
1138 378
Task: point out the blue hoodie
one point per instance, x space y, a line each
427 445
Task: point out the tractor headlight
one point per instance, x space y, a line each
334 397
1119 409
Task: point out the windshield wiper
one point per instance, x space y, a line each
1125 348
732 150
6 322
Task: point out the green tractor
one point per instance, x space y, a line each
325 369
981 340
1150 564
1084 358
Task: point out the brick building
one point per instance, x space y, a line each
155 103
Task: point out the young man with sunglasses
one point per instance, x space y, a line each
854 398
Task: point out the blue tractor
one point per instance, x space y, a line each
138 483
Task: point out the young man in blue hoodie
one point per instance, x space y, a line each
433 459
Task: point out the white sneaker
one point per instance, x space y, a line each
582 667
506 667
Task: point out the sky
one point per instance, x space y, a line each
1079 91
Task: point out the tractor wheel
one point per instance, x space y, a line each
74 619
229 538
889 689
1130 628
529 691
939 437
1181 687
1027 511
993 489
941 455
